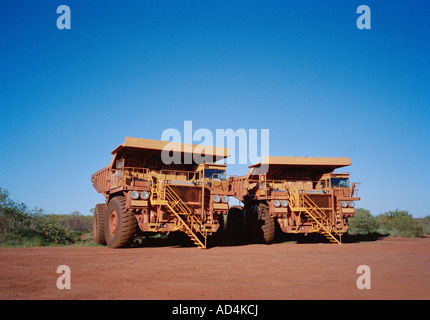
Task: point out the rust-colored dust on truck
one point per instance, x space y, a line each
145 195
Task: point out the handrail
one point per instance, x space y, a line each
168 197
303 203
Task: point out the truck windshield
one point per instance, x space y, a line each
215 174
340 182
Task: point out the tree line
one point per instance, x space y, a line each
22 226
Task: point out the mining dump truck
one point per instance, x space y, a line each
301 194
145 194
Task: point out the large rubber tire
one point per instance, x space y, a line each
266 223
98 223
235 227
120 225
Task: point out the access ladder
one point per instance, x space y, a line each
302 203
193 226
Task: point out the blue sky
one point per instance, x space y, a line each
301 69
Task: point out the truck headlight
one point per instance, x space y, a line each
344 204
225 199
144 195
134 195
217 198
284 203
352 204
276 203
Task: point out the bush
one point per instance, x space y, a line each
400 223
397 223
363 222
424 223
51 231
21 226
74 221
14 217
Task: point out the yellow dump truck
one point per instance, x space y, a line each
141 191
301 194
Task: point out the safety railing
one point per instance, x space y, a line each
162 194
301 202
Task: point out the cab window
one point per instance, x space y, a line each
215 174
340 182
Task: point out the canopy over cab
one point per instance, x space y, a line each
277 168
140 155
155 154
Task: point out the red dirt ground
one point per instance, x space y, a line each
400 269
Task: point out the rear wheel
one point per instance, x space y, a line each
259 224
98 223
120 225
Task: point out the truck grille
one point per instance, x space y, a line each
187 193
321 200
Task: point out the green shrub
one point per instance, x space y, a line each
74 221
399 223
51 231
21 226
14 217
424 223
362 222
396 223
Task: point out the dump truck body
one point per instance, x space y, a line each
183 195
303 194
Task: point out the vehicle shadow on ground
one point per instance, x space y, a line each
181 240
176 239
354 238
313 238
319 238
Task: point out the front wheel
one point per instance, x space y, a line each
260 225
266 222
120 225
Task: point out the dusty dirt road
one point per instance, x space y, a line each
400 269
